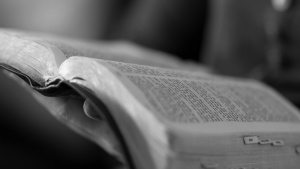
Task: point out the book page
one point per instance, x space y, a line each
186 112
121 51
186 97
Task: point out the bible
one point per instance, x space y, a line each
151 111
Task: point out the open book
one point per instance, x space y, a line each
152 111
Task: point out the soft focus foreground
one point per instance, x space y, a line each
30 136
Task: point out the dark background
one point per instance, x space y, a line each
31 137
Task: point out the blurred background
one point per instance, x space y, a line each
173 26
